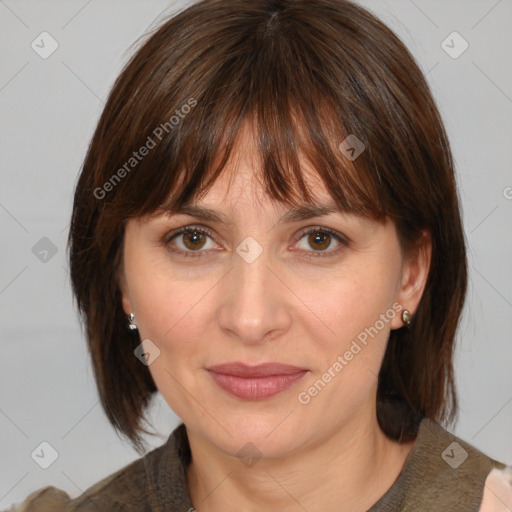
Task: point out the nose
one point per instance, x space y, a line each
254 305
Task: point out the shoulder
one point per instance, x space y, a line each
156 480
46 499
123 490
455 472
444 472
127 489
120 491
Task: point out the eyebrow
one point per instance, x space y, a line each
294 214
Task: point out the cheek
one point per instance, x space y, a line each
173 314
350 301
350 353
172 308
171 311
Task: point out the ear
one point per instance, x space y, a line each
413 277
123 288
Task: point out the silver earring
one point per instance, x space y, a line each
131 322
406 317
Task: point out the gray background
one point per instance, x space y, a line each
48 110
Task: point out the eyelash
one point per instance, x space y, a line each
205 231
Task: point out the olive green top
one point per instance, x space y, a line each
441 472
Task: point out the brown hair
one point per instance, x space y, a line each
306 74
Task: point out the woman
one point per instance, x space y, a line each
266 230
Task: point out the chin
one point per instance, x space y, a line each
256 434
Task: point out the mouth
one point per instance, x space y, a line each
255 382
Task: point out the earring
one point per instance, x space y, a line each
131 324
406 317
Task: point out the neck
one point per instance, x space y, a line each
355 466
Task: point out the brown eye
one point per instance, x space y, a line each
190 241
319 240
194 240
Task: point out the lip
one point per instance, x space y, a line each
255 382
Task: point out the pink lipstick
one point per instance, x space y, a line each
255 382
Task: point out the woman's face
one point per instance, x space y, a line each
320 294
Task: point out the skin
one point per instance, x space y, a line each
287 306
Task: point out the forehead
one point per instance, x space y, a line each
242 178
242 185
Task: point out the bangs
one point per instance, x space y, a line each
299 115
288 142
